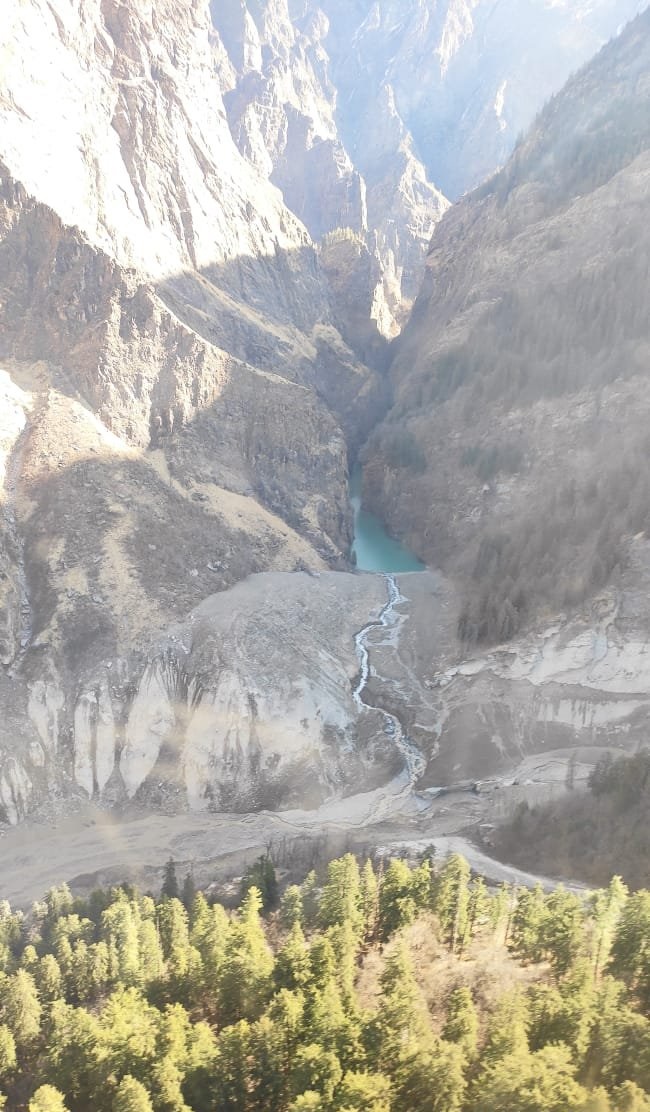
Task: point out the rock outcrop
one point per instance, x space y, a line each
462 78
355 110
286 116
246 704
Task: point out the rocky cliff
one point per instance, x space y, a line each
184 371
245 704
463 78
286 116
177 403
515 452
366 114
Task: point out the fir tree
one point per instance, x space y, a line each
170 881
47 1099
131 1096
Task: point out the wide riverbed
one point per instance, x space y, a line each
373 548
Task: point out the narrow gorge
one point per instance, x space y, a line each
267 415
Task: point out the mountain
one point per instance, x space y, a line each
322 100
207 237
515 452
464 77
166 352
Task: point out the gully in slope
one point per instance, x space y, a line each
413 759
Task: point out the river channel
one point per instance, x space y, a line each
373 548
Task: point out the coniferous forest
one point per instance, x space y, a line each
395 988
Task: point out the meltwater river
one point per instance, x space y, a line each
373 548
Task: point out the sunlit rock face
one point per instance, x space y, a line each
212 217
368 115
288 119
176 402
466 77
124 134
216 716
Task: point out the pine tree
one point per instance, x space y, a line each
20 1009
189 892
269 1085
401 1024
131 1096
606 908
287 1013
244 977
261 875
76 1057
628 1097
316 1070
451 901
47 1099
170 881
291 907
499 911
421 885
527 924
523 1082
461 1026
396 904
129 1032
119 930
478 909
167 1086
233 1067
310 904
507 1029
292 964
308 1102
174 938
365 1092
341 896
630 955
562 932
323 963
369 899
7 1053
48 979
430 1079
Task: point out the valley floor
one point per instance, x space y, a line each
96 847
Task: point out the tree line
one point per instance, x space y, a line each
123 1002
589 834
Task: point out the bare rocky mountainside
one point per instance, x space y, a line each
208 235
368 114
176 400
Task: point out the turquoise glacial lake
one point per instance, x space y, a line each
372 546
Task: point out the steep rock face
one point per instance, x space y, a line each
213 716
285 115
355 109
166 348
139 157
465 76
526 361
124 135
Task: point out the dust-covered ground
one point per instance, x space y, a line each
95 846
